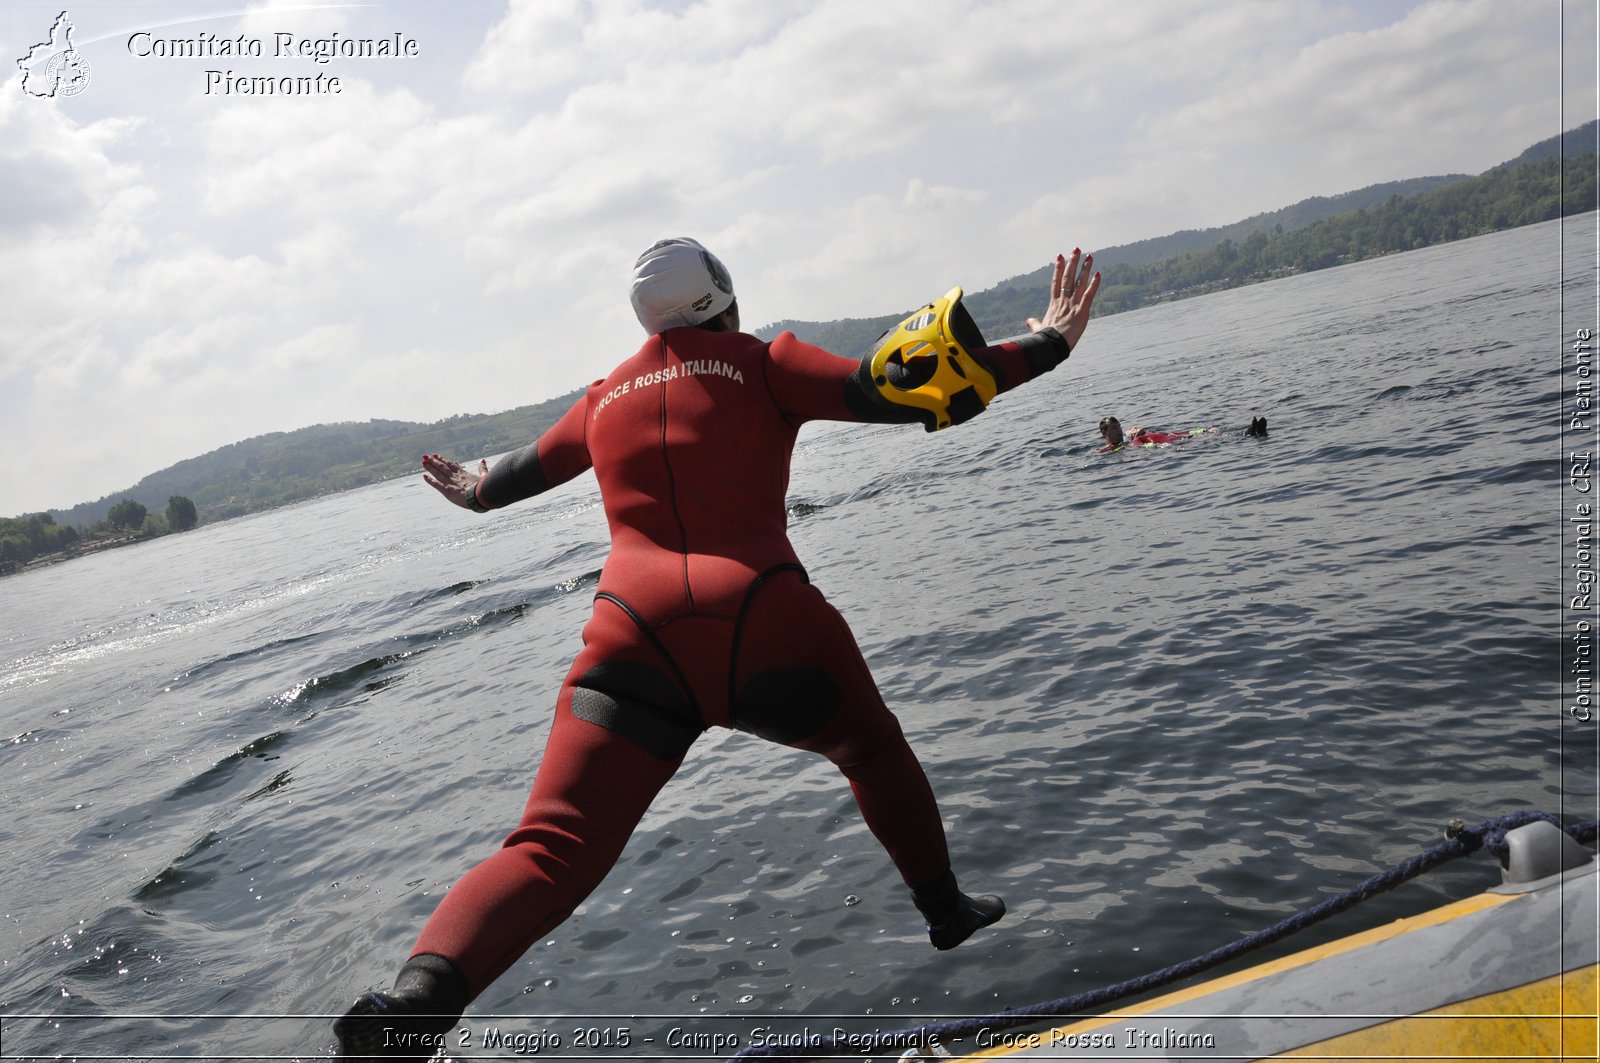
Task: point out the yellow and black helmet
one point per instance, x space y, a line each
929 362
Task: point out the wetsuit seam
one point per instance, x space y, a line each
661 648
588 415
744 612
672 486
781 471
696 615
766 382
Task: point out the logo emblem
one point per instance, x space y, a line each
54 67
719 273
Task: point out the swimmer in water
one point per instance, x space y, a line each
704 616
1115 438
1111 432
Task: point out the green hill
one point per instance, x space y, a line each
284 467
1552 178
1297 216
1400 216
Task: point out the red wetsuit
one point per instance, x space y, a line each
1148 437
703 618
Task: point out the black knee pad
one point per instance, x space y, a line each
786 705
639 702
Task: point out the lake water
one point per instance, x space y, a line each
1166 697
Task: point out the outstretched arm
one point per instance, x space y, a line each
554 458
810 384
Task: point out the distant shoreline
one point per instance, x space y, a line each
98 546
267 472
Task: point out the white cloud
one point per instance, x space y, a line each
66 241
1454 86
312 157
434 239
533 46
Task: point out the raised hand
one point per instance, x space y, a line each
1072 291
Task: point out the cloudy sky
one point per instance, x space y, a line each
182 267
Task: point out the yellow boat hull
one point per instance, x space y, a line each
1512 974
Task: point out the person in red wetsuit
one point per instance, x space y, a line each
1111 431
704 617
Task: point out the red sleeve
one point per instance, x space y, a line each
1010 362
558 455
810 384
564 448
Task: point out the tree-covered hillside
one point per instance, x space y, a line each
1499 199
1553 178
284 467
1512 194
